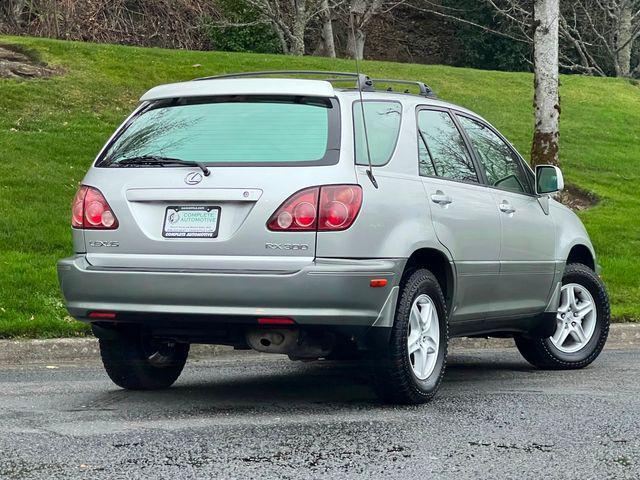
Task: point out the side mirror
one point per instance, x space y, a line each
549 179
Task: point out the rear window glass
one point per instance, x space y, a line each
382 119
229 132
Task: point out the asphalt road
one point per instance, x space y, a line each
267 417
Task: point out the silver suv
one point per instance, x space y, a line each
301 217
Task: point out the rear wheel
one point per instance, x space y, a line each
412 367
136 362
582 324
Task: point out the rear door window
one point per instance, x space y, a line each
441 148
382 119
502 167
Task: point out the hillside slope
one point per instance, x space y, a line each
50 130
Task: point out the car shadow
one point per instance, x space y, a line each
280 386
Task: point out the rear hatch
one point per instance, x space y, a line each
258 150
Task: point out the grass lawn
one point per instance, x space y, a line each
51 129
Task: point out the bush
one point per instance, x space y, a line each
150 23
486 50
245 33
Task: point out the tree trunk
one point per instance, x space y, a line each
624 43
355 39
329 45
298 29
544 149
283 40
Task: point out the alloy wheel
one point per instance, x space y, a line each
576 319
423 338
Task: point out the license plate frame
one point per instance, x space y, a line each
175 227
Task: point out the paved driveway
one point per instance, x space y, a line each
266 417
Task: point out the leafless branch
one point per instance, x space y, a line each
460 19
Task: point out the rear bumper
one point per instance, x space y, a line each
326 292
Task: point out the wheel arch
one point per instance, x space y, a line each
581 253
438 263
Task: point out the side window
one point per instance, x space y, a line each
383 126
502 167
441 148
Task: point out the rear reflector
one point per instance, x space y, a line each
103 315
378 282
276 321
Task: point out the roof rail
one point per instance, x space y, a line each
364 79
425 90
367 83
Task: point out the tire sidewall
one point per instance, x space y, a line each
126 361
423 285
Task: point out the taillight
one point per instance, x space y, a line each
298 212
91 210
339 206
77 209
326 208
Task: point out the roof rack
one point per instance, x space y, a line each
425 90
363 81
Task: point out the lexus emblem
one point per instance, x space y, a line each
193 178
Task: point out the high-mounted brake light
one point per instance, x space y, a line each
276 321
103 315
90 210
325 208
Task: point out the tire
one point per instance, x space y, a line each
395 377
134 362
545 353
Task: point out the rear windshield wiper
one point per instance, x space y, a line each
160 161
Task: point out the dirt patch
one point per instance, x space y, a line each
577 199
18 63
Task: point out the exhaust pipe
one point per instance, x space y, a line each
290 342
273 340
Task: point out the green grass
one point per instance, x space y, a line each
50 130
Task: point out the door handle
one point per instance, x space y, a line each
506 207
441 199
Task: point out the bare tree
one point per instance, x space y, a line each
535 22
600 36
290 19
544 148
597 37
359 14
326 36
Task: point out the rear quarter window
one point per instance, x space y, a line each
382 119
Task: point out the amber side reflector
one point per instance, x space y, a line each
378 282
276 321
104 315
